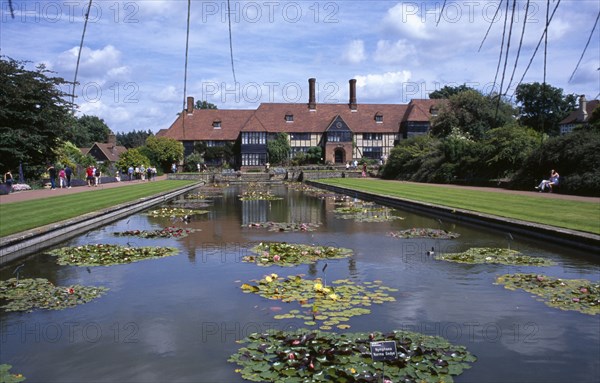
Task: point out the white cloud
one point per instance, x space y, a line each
405 19
378 86
355 52
389 52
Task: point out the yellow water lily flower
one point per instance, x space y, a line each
274 276
353 371
318 286
268 279
326 290
334 296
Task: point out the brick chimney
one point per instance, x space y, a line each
112 139
312 103
582 112
190 105
352 102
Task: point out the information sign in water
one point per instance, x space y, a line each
384 350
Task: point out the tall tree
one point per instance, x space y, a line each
163 151
279 149
542 106
473 114
204 105
133 139
34 113
448 91
86 130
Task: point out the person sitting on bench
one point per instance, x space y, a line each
552 181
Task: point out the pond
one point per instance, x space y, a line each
180 318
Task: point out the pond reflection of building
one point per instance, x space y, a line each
255 211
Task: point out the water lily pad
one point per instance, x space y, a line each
305 355
417 232
39 293
365 212
8 377
257 195
324 305
108 254
284 226
167 232
171 212
495 255
286 254
566 294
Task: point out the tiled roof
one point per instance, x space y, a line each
112 152
573 117
420 110
198 126
271 117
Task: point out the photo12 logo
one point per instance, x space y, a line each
70 332
270 12
70 11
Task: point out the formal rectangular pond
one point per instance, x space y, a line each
179 318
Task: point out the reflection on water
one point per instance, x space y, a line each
177 319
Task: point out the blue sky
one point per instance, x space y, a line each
132 65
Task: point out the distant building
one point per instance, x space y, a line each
107 153
344 131
580 116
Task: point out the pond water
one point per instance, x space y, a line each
178 318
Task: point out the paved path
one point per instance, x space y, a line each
45 193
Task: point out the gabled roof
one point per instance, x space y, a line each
420 110
198 126
575 116
111 152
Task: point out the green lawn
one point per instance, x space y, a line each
575 215
19 216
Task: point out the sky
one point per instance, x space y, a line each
132 67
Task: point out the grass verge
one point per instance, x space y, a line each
20 216
575 215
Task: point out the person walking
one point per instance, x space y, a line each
8 180
62 179
130 173
89 172
52 174
68 174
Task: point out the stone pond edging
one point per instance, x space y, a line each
549 234
21 244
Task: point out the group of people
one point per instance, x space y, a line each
93 175
64 177
141 173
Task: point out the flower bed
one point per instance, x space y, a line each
285 254
495 255
167 232
424 233
313 356
327 305
284 226
105 255
566 294
29 294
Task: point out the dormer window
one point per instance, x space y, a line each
379 117
216 124
289 117
434 111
